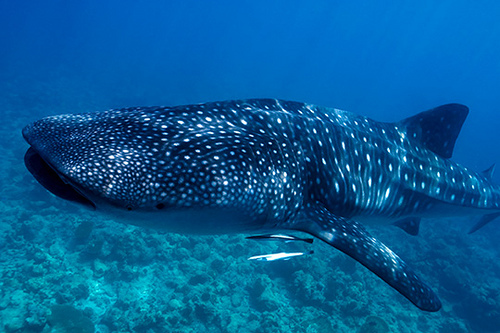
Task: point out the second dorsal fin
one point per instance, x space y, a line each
488 173
437 129
410 225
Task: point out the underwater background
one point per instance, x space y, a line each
64 269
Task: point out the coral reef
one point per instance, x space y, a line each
65 318
374 324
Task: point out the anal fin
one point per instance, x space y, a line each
354 240
485 219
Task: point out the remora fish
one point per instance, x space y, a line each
265 165
281 237
279 256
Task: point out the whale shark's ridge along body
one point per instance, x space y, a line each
263 165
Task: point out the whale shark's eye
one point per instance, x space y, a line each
129 207
160 206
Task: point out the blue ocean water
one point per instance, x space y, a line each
384 60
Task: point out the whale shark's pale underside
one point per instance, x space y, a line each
263 165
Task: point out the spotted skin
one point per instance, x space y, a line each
265 165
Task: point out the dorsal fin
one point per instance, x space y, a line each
437 129
488 173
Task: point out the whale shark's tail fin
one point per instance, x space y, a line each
352 238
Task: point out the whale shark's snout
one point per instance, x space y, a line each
90 159
49 178
45 159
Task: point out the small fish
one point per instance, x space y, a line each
279 256
282 237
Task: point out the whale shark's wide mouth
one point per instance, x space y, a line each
50 179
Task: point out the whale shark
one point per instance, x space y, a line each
265 166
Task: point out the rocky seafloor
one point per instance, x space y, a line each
64 269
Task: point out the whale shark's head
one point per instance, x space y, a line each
55 157
160 159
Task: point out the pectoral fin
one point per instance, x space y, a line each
352 238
